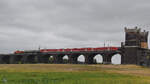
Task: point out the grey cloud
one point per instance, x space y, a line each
26 24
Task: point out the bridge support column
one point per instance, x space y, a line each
1 61
89 59
16 59
43 58
6 59
58 59
31 59
73 58
12 59
106 59
24 59
122 59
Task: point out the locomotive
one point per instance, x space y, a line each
68 50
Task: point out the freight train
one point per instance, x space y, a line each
68 50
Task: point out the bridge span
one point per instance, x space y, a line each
45 57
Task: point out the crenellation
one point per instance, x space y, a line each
134 30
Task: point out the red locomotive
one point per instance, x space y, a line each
69 50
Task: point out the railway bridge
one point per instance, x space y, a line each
133 51
58 57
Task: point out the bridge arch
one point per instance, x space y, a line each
65 59
116 58
81 59
98 58
51 59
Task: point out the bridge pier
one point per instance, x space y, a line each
40 58
122 58
12 59
24 59
58 59
73 58
107 58
43 58
5 59
1 61
89 59
18 59
31 59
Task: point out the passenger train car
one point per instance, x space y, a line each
69 50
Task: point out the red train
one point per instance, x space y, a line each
69 50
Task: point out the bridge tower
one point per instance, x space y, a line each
136 44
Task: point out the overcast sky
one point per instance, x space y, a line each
28 24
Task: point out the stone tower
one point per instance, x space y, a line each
136 42
136 38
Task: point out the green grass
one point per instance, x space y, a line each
73 74
68 78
